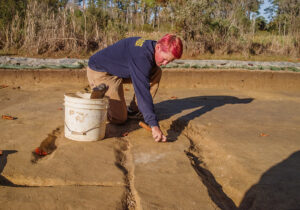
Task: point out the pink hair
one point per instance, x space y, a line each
171 43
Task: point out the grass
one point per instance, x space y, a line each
267 46
275 52
199 57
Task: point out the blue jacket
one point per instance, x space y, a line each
131 58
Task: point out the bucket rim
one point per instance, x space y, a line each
71 98
73 95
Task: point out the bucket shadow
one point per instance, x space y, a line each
278 188
168 108
3 162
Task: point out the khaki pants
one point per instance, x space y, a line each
117 111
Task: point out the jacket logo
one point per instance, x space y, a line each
140 42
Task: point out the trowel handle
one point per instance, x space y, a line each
144 125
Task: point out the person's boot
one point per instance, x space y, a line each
137 115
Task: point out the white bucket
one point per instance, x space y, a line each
85 118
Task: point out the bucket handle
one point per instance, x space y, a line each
80 133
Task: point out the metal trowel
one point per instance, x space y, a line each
99 91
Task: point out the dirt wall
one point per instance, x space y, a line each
185 78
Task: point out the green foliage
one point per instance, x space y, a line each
204 25
9 8
294 69
287 16
274 68
260 23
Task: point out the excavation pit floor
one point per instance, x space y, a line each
228 148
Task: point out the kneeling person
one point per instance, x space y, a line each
138 61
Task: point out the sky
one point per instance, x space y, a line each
266 4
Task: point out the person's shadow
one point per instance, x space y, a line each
278 188
168 108
3 162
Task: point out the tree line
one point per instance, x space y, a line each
73 27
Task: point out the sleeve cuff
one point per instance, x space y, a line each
152 123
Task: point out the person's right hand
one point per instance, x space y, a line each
158 135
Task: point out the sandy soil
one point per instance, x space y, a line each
231 146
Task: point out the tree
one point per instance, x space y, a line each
260 23
287 15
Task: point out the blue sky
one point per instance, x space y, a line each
266 4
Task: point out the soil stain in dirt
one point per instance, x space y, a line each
46 147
